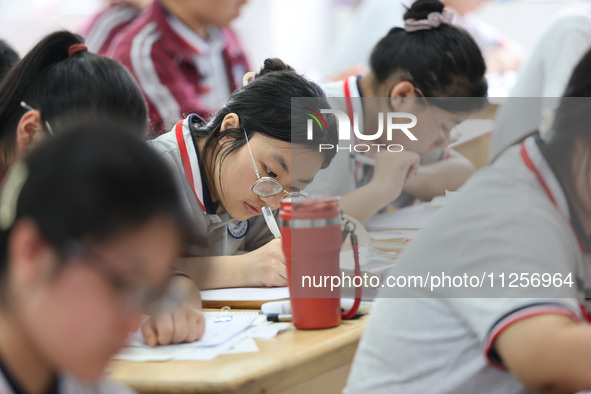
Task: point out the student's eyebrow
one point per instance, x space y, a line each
283 165
281 161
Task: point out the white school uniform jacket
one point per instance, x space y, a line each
214 232
511 217
344 175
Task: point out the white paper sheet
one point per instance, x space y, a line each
414 217
246 294
218 338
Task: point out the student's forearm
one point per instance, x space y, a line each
434 179
216 272
549 353
365 201
187 290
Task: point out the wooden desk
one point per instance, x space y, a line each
296 361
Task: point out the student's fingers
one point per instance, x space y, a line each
411 171
164 328
149 333
275 251
196 326
279 276
180 321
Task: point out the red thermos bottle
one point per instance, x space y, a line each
312 239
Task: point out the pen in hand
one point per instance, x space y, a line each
271 223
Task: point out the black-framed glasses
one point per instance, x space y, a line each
47 125
266 186
147 298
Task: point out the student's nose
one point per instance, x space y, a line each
274 202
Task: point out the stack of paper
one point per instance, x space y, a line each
220 337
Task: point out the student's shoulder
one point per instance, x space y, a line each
576 20
143 30
333 88
165 144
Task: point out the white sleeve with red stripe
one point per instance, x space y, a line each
521 313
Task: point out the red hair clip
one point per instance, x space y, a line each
75 48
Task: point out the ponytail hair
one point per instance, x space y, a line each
63 86
439 58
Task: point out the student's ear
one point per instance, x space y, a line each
231 121
28 131
401 90
31 257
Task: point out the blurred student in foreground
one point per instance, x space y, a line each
90 225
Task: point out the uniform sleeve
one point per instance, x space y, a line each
517 251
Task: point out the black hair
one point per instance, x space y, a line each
89 184
442 62
8 58
62 86
265 106
571 127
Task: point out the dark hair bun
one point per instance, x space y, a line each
420 9
273 65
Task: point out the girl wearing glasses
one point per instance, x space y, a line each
412 70
90 226
252 153
58 80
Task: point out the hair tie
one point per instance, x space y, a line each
247 76
75 48
433 21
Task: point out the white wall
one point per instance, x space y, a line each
298 31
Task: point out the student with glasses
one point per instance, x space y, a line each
90 226
251 154
413 69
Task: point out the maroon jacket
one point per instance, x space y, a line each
163 64
102 27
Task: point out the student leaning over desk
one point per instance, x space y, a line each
428 59
257 135
90 226
528 214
